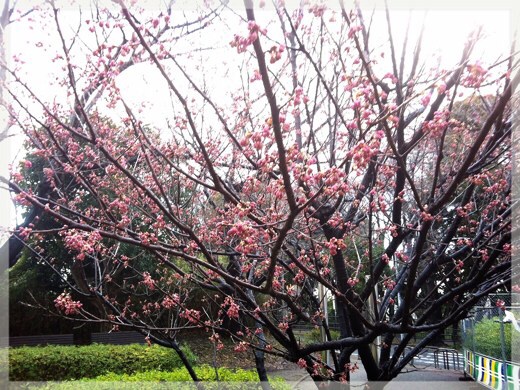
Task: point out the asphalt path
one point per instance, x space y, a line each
421 375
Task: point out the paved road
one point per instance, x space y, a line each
442 359
423 379
421 375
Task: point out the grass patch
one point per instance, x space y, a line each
176 379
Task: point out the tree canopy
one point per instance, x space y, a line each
274 153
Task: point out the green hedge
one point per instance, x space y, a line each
58 363
154 379
314 336
486 336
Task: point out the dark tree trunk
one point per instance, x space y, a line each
260 369
260 357
262 343
352 326
186 363
82 335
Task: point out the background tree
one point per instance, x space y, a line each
318 158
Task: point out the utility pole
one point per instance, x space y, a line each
375 347
322 294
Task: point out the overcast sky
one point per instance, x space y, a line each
445 35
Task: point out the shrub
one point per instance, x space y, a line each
314 336
57 363
154 379
486 334
204 373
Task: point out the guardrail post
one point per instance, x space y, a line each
474 362
503 347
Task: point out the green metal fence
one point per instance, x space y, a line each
491 340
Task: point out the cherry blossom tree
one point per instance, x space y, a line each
294 153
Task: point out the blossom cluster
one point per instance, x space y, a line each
82 242
233 308
475 76
65 304
241 43
171 302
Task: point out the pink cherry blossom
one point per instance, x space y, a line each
65 304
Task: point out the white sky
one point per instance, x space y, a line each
445 35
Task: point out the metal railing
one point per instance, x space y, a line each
443 355
118 338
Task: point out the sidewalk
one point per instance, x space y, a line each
422 378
